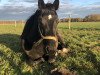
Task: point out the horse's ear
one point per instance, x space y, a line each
41 4
56 4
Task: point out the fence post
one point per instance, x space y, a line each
15 23
69 22
22 22
3 22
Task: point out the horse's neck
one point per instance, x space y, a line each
34 34
30 31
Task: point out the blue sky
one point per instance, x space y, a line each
22 9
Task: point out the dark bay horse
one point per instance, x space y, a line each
40 37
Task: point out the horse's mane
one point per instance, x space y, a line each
31 28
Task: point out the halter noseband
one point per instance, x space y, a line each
47 37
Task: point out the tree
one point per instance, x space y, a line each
92 18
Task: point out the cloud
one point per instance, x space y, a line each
67 8
22 9
79 10
91 7
96 3
30 1
17 10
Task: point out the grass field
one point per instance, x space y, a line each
83 40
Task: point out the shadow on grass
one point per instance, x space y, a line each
11 41
89 29
92 58
11 62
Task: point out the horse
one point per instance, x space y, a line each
40 37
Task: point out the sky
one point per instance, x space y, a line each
23 9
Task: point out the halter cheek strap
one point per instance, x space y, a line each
47 37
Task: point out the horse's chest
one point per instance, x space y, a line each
36 51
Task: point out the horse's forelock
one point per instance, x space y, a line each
49 6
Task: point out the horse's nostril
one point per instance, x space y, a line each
46 57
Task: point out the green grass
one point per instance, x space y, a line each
81 25
83 40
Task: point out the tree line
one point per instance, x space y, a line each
88 18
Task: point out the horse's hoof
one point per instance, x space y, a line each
65 50
38 61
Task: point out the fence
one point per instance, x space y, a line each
12 22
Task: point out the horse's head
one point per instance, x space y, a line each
48 21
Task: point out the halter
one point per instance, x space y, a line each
47 38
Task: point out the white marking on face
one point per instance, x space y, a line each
49 17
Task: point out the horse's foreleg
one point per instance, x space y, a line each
61 46
61 41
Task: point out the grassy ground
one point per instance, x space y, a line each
83 41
